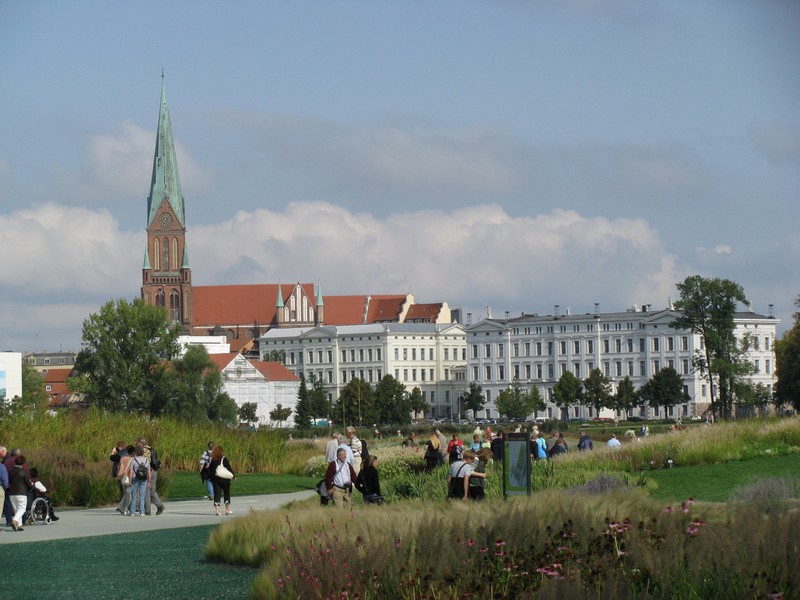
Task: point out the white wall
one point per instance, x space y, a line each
10 375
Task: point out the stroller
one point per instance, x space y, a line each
40 511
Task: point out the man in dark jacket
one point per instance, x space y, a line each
18 487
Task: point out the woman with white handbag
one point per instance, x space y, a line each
221 476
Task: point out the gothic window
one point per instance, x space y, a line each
174 254
157 254
166 255
174 306
160 297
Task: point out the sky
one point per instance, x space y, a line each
500 156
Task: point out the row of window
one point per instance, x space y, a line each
374 354
538 348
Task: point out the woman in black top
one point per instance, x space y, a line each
221 484
368 483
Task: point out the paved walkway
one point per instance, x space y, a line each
74 523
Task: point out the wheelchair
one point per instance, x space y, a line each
38 512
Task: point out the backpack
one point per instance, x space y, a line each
456 489
141 471
154 462
456 452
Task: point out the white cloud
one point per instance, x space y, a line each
122 162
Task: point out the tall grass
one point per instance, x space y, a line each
71 449
552 545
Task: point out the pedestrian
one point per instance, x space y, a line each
540 451
330 447
205 460
498 446
356 445
476 481
8 511
221 474
139 473
614 443
19 484
152 497
368 482
458 477
442 447
476 443
585 443
432 453
339 478
124 481
455 449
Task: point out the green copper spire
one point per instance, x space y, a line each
185 264
146 262
279 302
319 295
165 182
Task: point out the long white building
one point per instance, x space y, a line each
429 356
635 343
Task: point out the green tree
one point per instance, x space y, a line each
708 308
417 400
280 414
124 345
247 412
515 402
566 392
190 388
278 356
787 365
473 400
752 397
664 389
597 391
303 411
392 402
626 398
318 397
356 404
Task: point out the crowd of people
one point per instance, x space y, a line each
19 486
350 465
135 468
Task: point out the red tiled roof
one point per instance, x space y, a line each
426 312
239 304
274 371
343 310
385 308
223 360
56 375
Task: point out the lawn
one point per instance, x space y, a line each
714 483
187 486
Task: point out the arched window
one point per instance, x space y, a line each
160 297
174 306
174 254
166 254
157 254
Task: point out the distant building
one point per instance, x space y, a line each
10 375
267 384
426 355
636 343
43 361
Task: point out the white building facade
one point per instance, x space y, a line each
636 343
429 356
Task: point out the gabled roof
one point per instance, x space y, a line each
273 371
56 374
344 310
424 312
384 308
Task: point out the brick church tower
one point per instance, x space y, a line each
166 275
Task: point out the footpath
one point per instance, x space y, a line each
76 523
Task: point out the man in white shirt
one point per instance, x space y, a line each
331 446
339 480
614 442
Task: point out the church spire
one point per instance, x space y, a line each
165 183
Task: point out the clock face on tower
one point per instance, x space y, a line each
165 219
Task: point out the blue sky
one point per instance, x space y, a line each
514 155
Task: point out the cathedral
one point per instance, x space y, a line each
243 313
